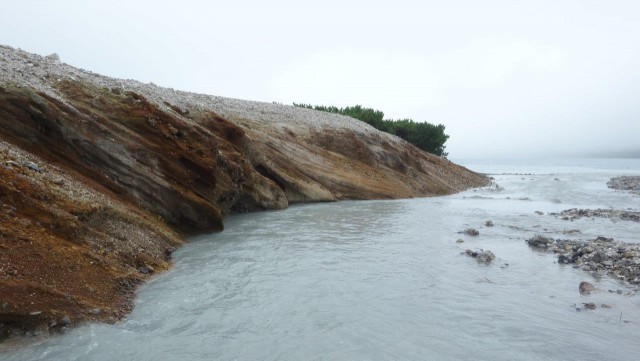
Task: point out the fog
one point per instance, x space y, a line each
507 78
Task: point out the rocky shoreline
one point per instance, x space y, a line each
613 214
101 178
627 183
600 256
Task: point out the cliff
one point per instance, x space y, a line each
101 178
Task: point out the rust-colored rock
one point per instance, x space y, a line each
100 179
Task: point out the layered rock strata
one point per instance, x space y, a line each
101 178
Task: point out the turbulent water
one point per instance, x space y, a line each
385 280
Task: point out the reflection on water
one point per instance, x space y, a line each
383 280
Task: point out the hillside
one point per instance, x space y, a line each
101 179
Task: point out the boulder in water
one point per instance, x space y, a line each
471 232
481 256
586 288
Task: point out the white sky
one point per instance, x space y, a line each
507 78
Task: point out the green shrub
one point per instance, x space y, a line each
426 136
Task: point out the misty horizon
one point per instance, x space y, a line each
554 78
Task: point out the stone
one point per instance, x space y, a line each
603 239
53 57
597 257
539 213
146 269
481 256
628 254
629 183
612 214
34 167
539 241
589 305
488 223
460 241
471 232
586 288
65 321
485 257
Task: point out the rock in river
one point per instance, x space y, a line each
586 288
481 256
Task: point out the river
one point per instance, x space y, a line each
386 280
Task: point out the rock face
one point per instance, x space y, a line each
100 179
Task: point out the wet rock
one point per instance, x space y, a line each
589 305
471 232
539 213
604 239
485 257
614 215
586 288
460 240
481 256
629 183
597 257
600 256
488 223
571 231
65 321
539 241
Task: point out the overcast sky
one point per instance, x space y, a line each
507 78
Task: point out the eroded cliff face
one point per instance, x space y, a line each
100 179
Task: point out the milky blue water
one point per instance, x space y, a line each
385 280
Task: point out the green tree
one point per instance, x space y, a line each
426 136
